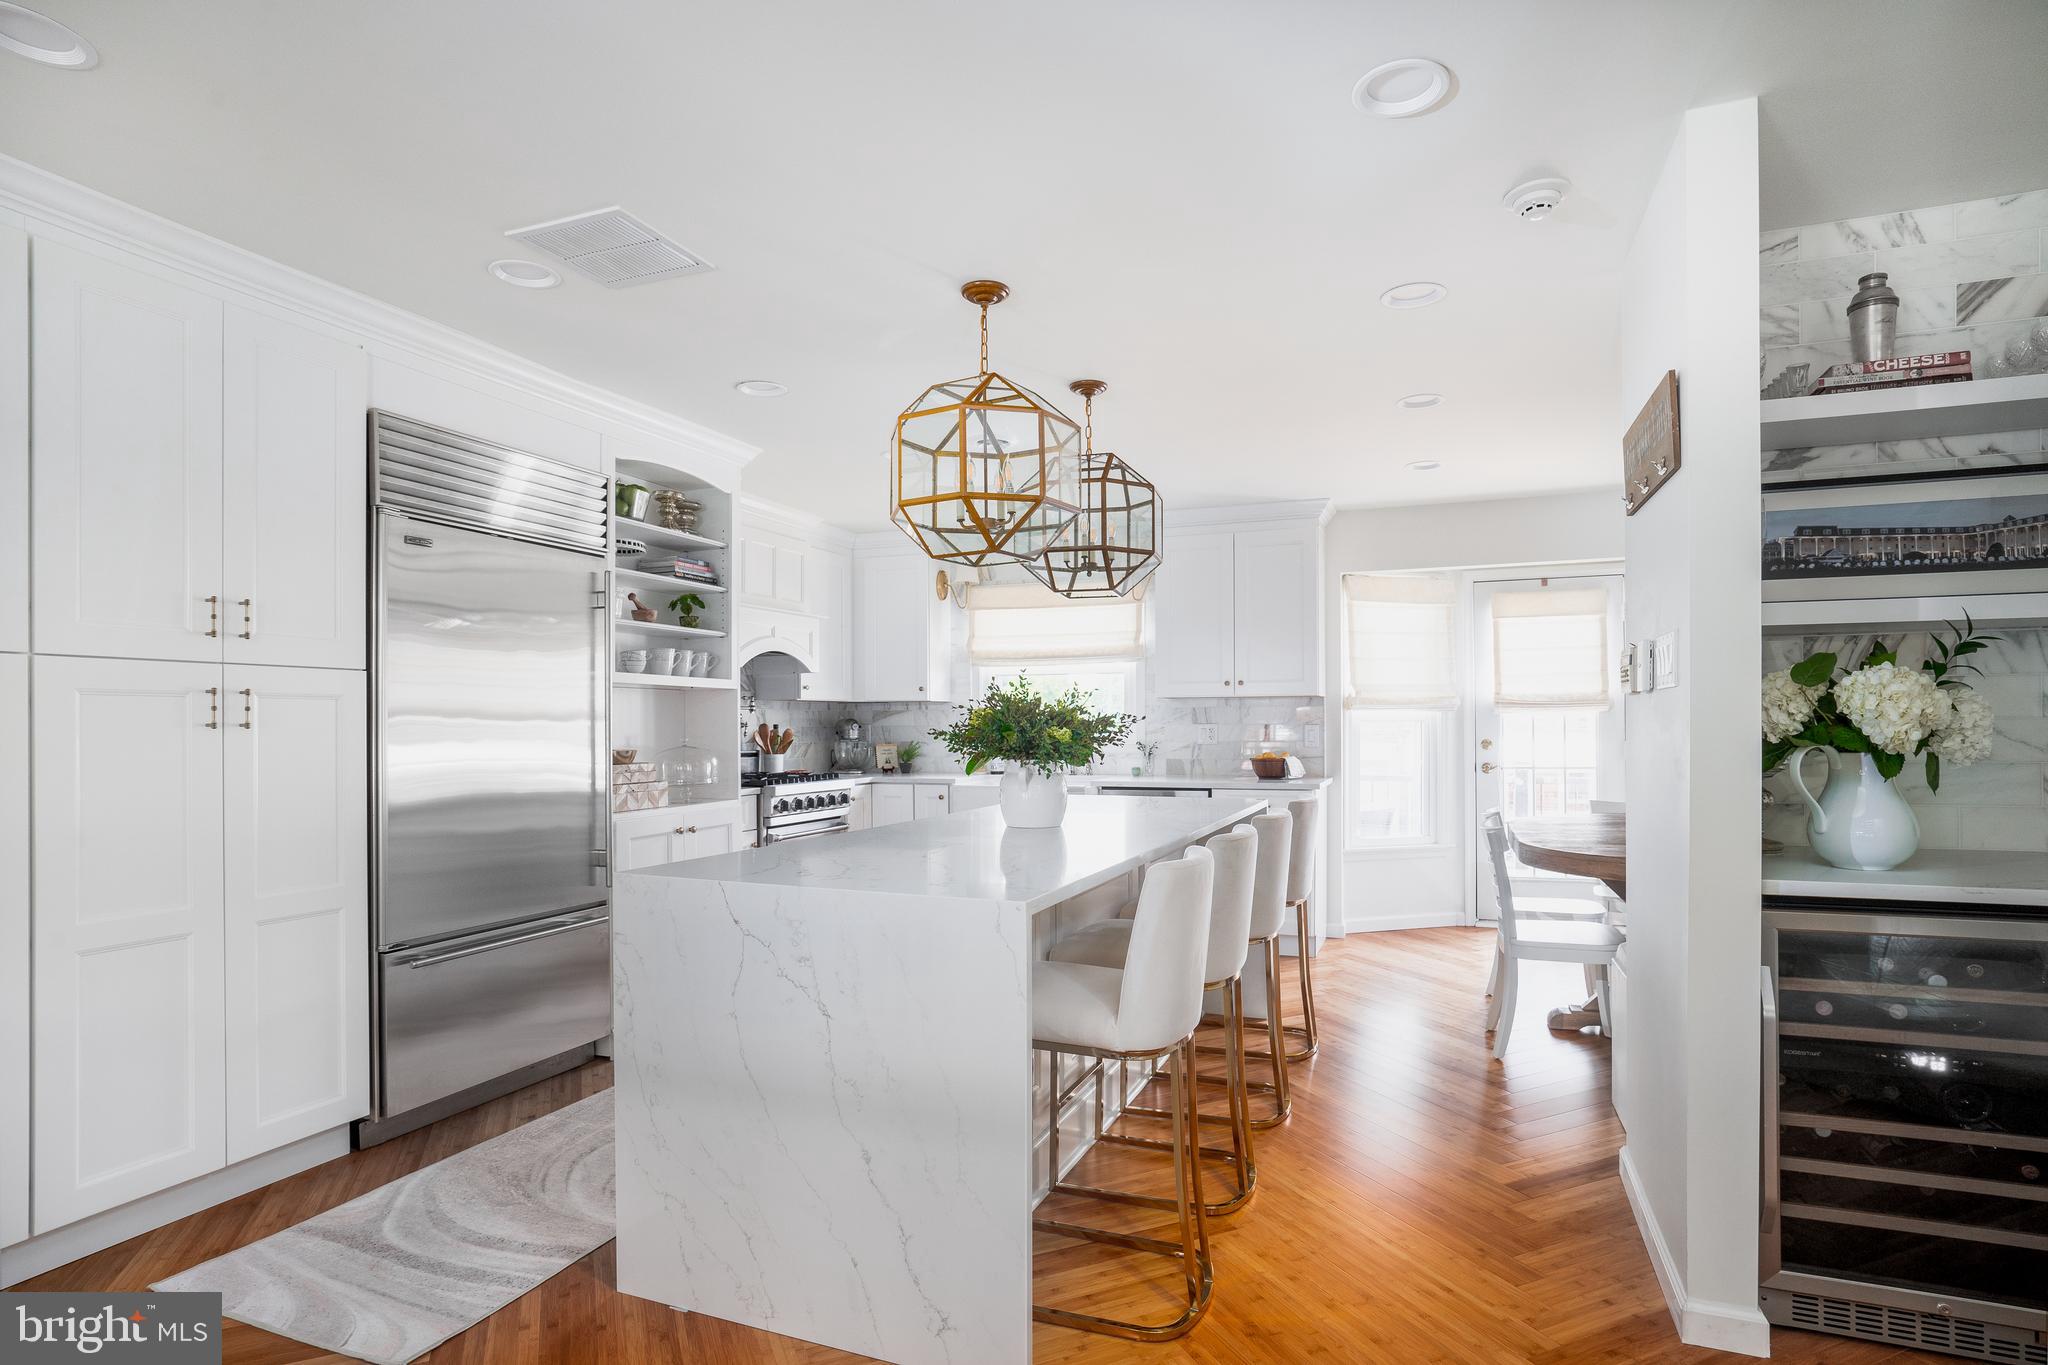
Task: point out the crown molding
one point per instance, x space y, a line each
41 198
805 525
1318 510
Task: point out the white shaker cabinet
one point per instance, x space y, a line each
676 834
129 1091
297 904
294 494
14 949
893 802
127 459
1238 612
933 798
1195 605
902 646
13 442
1278 627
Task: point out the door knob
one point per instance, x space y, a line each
1486 767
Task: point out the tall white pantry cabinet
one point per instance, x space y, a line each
198 974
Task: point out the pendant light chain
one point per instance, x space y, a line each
984 338
1088 423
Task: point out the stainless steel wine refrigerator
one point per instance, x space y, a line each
1905 1175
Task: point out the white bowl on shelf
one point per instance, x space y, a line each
632 661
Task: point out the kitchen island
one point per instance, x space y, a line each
826 1091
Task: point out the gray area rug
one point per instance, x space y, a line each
393 1274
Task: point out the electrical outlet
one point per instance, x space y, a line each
1205 734
1312 735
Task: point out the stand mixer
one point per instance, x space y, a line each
850 753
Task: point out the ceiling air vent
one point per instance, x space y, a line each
612 247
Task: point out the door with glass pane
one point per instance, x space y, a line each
1547 724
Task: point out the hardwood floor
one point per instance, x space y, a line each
1424 1204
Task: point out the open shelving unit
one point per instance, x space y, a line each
2014 403
1884 614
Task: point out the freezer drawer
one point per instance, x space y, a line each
469 1010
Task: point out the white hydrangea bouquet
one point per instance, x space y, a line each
1882 709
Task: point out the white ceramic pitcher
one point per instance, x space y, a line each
1860 821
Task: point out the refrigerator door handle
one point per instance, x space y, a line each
491 945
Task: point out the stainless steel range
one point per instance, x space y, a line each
801 805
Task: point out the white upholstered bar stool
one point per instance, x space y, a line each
1301 885
1107 944
1147 1012
1526 940
1269 916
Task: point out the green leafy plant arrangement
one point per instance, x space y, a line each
1881 709
1013 723
907 752
686 608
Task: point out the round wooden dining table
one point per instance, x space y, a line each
1595 846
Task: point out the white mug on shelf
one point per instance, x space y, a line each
701 665
685 660
662 660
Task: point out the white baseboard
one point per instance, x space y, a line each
1424 920
1700 1322
61 1246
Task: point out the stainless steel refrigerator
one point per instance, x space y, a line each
491 923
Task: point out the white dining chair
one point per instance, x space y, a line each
1525 939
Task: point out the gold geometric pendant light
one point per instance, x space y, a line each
983 470
1113 544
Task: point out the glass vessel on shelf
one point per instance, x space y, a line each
691 773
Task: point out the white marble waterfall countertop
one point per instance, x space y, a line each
973 855
1088 782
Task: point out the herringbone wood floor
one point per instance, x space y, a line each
1424 1204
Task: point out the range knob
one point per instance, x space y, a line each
810 803
843 799
781 804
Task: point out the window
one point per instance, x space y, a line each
1391 758
1110 684
1400 690
1549 757
1018 623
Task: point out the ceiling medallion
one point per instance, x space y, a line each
1113 544
983 470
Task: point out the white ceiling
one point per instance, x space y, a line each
1179 192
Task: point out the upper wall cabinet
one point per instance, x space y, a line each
13 440
1238 612
127 456
294 469
772 569
199 473
902 647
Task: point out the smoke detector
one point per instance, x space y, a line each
1535 199
612 247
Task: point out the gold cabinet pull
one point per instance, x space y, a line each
248 616
686 829
213 617
248 708
213 707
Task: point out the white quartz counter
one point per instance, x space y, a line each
1076 782
973 855
1945 875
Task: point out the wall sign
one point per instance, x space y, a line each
1649 453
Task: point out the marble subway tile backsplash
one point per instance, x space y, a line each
1243 726
1970 277
2000 803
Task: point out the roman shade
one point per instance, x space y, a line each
1550 648
1011 623
1399 641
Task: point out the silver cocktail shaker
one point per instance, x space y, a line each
1873 319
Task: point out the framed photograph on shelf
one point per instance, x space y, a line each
886 759
1939 538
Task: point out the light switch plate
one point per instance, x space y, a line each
1665 655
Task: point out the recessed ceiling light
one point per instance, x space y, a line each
1424 466
1420 400
525 274
1403 88
1414 294
42 39
761 388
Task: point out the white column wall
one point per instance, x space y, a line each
1690 297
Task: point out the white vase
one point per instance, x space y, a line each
1860 821
1031 800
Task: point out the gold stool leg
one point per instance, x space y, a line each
1192 1249
1306 1029
1239 1154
